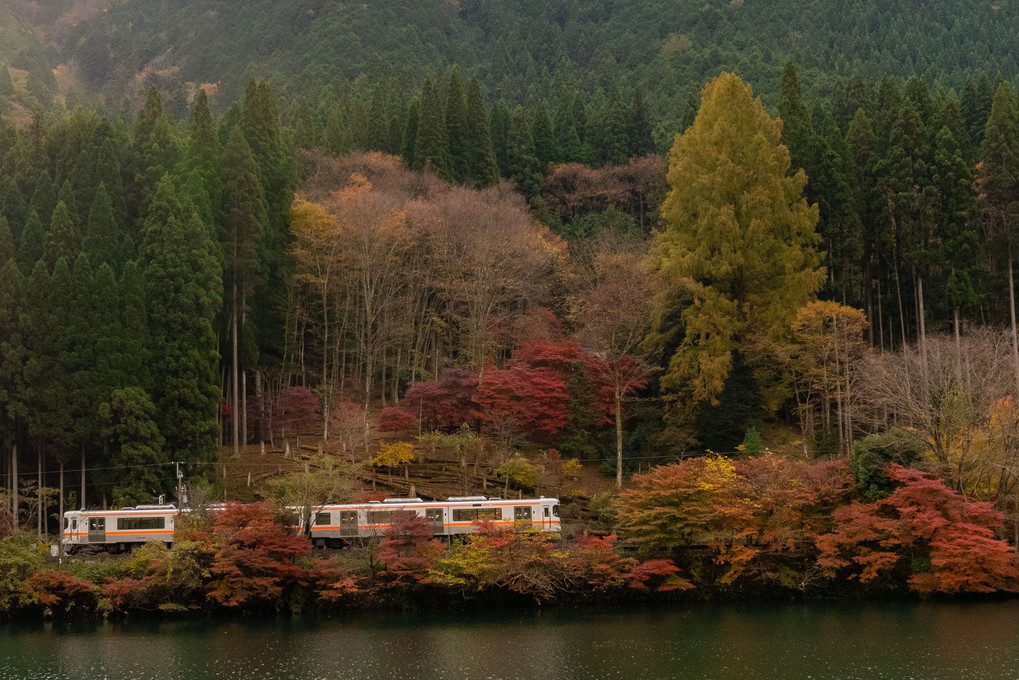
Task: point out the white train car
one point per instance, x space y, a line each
332 524
118 530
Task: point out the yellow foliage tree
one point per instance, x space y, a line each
394 455
737 255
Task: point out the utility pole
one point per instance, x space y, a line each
182 489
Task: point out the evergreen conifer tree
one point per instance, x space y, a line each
102 238
44 198
410 132
243 228
62 239
183 287
483 170
642 140
338 140
30 246
457 133
736 258
431 146
7 248
500 136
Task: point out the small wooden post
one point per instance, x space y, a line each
249 477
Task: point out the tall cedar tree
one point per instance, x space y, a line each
62 239
797 131
523 165
30 245
134 325
243 228
44 197
500 136
999 183
101 234
183 288
82 322
482 168
6 240
410 132
958 227
457 133
15 207
338 140
12 356
737 256
431 149
836 191
546 146
277 174
642 140
378 122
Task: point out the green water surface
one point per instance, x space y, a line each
878 640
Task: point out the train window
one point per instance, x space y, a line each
322 518
522 512
555 510
381 516
476 514
140 523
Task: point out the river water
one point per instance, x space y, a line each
745 642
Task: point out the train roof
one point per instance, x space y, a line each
458 501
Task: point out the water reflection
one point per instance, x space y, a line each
887 640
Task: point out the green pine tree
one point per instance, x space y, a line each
62 239
30 246
482 168
546 146
183 287
431 149
410 132
457 132
523 165
102 237
338 140
640 129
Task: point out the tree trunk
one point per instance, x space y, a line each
60 505
244 407
14 484
902 310
260 404
1011 311
880 318
38 491
619 438
235 416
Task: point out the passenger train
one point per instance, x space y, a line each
330 525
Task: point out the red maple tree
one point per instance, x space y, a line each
933 537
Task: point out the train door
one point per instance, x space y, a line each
97 530
348 523
435 521
546 518
522 517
